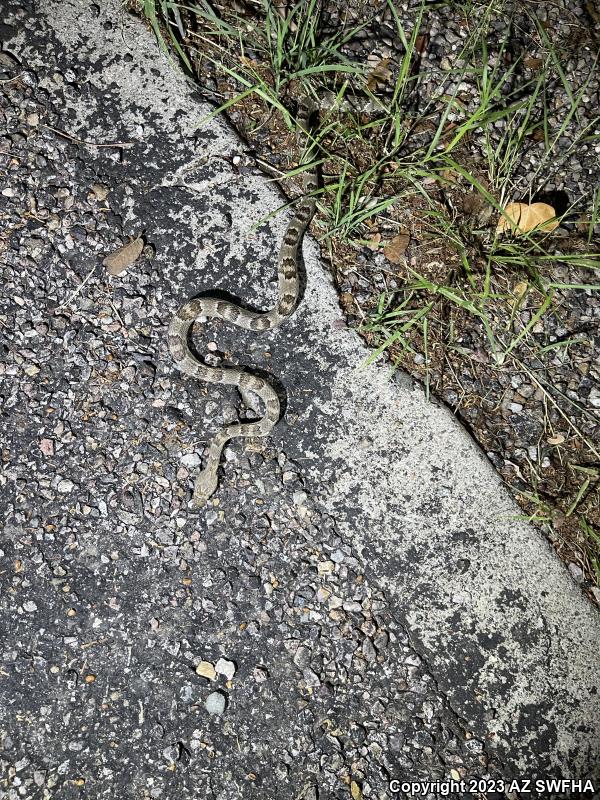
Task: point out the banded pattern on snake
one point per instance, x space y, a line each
215 308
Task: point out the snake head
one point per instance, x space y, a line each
204 488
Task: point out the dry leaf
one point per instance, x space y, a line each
395 249
522 218
124 257
450 176
519 289
373 241
378 76
421 43
533 63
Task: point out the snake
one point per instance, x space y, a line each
209 307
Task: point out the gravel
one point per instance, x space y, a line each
153 652
115 592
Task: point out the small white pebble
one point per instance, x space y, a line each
190 460
215 703
226 668
299 498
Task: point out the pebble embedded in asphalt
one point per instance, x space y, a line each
215 703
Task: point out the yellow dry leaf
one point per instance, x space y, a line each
522 218
519 289
450 176
396 248
124 257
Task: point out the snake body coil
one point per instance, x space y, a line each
212 307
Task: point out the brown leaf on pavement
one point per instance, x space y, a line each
118 261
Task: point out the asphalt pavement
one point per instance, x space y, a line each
360 603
